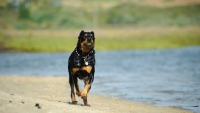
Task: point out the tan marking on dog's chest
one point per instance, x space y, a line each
74 70
88 69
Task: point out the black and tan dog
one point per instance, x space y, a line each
81 65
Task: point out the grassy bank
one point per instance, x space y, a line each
113 39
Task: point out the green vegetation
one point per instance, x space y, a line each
134 15
60 41
24 12
54 25
72 16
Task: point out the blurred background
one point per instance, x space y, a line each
50 25
146 50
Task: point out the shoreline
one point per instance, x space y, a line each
20 94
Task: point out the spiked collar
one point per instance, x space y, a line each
82 59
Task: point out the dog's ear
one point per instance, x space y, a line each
92 33
82 33
79 38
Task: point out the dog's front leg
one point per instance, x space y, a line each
84 93
87 82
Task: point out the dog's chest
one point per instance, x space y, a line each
82 74
84 60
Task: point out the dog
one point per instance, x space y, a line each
81 64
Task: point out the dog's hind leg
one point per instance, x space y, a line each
71 82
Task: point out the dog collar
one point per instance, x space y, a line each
81 59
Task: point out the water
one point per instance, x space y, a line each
162 77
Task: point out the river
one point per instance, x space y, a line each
168 77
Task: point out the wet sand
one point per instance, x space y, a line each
22 94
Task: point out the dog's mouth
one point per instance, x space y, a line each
89 44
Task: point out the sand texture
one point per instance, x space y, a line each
30 94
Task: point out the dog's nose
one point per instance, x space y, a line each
89 38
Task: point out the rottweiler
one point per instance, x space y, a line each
81 64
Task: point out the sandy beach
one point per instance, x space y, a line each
22 94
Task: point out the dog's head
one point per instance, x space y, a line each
86 41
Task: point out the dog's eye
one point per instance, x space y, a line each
90 37
84 38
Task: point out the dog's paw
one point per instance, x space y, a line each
78 93
85 101
87 105
74 102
